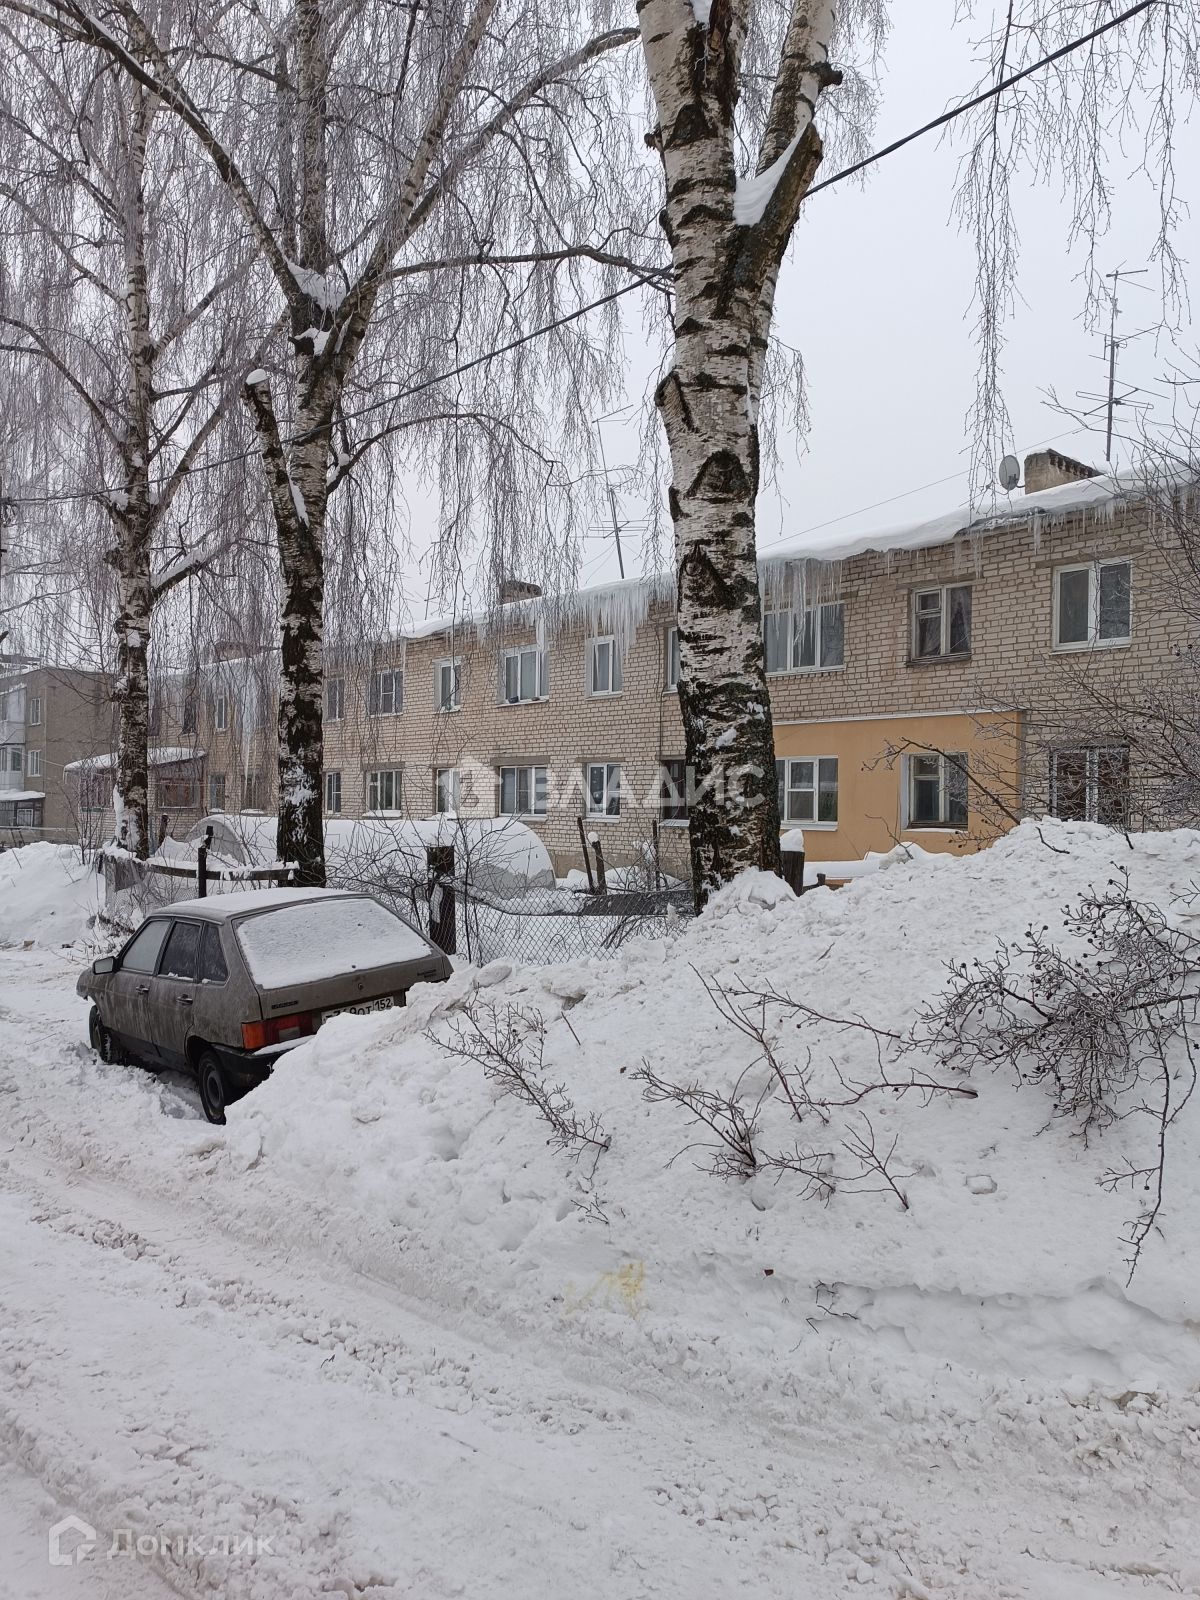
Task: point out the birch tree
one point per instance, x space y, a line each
727 237
116 354
358 144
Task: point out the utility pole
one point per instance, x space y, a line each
612 500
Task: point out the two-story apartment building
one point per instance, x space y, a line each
50 717
928 685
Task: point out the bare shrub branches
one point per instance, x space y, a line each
1104 1024
508 1042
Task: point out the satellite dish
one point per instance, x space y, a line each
1010 472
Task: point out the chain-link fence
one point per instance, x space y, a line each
540 926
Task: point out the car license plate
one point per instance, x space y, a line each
363 1009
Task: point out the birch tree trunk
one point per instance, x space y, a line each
727 239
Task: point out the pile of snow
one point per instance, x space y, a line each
1009 1258
500 855
48 895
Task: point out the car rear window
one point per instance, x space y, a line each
180 958
212 957
317 939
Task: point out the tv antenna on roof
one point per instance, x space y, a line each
1112 344
1009 474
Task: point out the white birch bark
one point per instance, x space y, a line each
726 246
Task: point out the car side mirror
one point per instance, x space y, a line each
104 964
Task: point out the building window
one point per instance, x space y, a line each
1092 604
671 659
937 790
221 711
808 789
15 758
604 789
154 725
33 763
447 685
94 790
1090 785
523 791
178 794
253 792
524 675
941 622
216 791
35 711
187 711
445 790
333 793
386 698
672 792
604 666
813 641
23 813
335 699
384 789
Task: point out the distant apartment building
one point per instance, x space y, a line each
928 686
50 718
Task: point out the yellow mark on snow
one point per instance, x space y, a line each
622 1288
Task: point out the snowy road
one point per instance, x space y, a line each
269 1421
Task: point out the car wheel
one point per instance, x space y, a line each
212 1086
102 1041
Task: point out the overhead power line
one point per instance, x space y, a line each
640 283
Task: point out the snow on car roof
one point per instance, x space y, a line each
220 907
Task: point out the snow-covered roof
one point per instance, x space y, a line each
8 795
1047 506
166 756
220 907
620 607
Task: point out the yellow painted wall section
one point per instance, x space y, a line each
871 810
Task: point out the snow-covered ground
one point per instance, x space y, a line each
377 1337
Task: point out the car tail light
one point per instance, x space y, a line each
278 1030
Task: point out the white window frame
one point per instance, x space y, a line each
33 763
796 622
607 812
789 817
1091 789
16 758
616 668
378 702
541 675
453 664
536 789
944 652
671 660
215 778
1093 640
374 785
221 711
335 699
454 795
945 768
331 790
35 711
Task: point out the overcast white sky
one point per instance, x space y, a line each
876 293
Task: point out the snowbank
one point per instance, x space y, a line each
47 894
502 856
1009 1259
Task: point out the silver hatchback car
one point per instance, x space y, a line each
221 987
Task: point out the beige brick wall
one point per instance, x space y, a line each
1012 666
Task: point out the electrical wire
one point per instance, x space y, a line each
629 288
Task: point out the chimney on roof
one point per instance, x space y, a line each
514 589
1049 469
